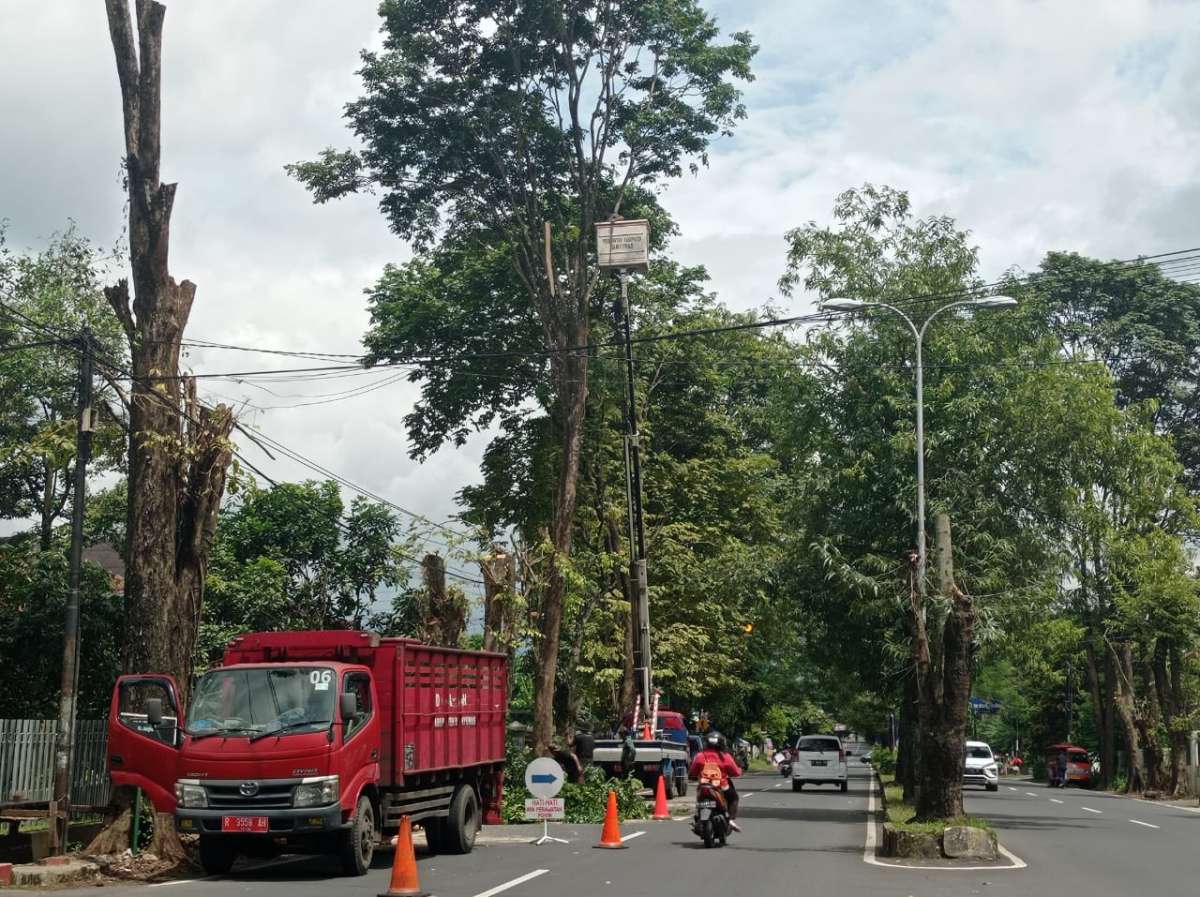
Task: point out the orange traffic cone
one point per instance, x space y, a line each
610 837
660 800
404 866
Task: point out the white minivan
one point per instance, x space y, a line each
818 760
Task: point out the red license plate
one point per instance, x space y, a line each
254 824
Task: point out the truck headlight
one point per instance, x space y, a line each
190 794
992 771
316 792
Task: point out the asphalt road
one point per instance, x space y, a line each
793 845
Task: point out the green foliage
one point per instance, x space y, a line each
458 94
33 591
883 760
585 802
60 287
285 558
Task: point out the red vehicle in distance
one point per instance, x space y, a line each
1079 765
319 742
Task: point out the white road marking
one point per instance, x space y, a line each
1090 810
1139 822
1031 794
284 861
780 785
491 892
1159 803
628 837
869 848
1010 788
1055 800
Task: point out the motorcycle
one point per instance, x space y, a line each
711 821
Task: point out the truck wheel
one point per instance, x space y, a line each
797 786
681 783
435 833
217 855
462 824
845 786
356 846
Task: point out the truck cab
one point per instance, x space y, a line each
298 752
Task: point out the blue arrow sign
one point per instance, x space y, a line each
543 778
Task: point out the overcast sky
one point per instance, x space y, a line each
1063 124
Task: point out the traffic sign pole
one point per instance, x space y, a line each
544 779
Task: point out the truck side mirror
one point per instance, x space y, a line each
348 705
154 711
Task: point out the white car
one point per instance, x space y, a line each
980 766
819 760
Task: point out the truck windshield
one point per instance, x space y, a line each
258 701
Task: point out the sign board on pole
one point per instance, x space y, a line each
543 778
623 244
545 808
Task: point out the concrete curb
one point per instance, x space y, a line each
34 875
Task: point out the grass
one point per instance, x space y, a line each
900 814
762 764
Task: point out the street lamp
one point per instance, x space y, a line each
852 305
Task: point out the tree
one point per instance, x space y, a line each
33 590
59 288
851 450
179 449
290 557
513 128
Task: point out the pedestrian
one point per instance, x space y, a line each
1060 768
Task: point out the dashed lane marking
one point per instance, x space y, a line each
628 837
1146 824
1090 810
1031 794
500 889
1055 800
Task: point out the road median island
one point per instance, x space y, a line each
967 842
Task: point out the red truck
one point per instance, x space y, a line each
320 742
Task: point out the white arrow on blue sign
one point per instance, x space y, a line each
543 778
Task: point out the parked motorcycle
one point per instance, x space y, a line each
711 821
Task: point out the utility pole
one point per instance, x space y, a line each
637 526
61 805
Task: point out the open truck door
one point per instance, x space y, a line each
145 729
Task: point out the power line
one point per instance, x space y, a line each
13 347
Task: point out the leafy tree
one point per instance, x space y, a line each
286 559
500 125
851 452
59 288
1142 324
33 592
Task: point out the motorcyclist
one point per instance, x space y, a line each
715 754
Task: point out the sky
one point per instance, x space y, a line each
1038 124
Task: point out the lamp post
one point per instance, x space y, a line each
852 305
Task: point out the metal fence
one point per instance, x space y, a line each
27 762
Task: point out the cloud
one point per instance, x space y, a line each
1068 125
1039 126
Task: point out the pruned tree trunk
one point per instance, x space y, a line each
179 450
498 611
948 689
443 610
